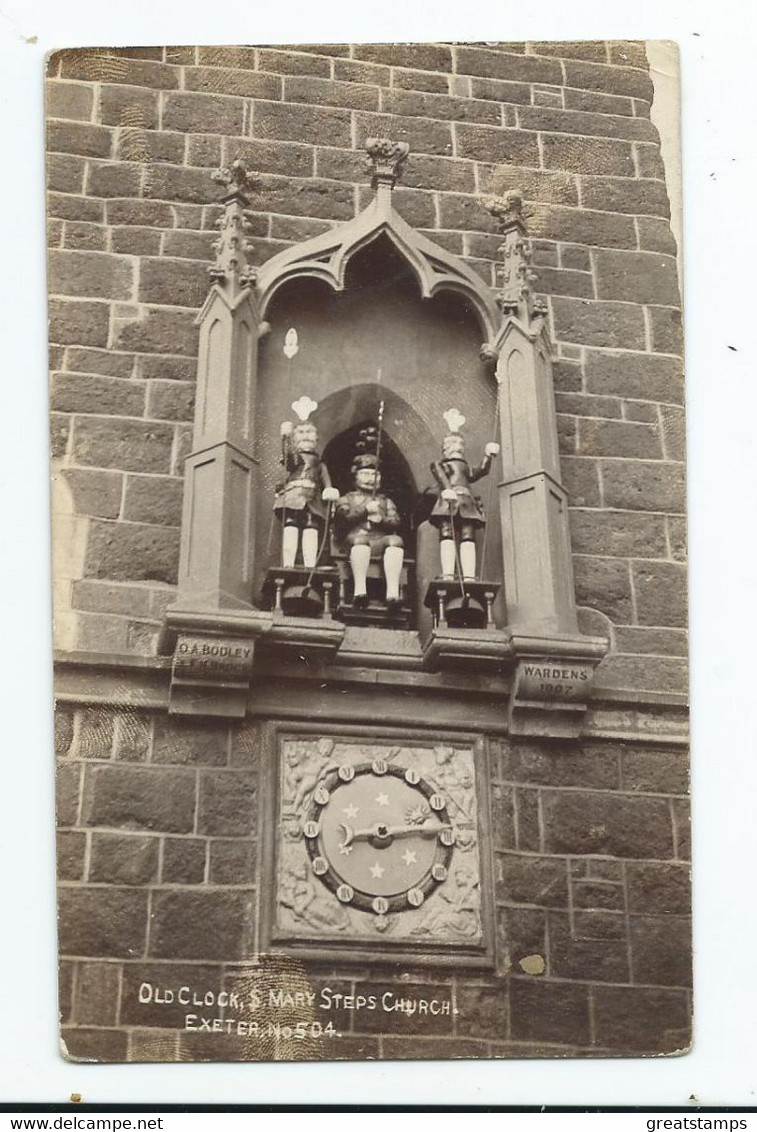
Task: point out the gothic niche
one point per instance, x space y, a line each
361 459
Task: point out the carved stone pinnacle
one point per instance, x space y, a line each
386 159
507 210
238 179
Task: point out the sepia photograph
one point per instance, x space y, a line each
369 551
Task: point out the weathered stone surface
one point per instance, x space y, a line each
203 113
68 100
117 65
227 803
503 820
94 733
78 323
658 642
136 797
104 597
604 584
422 134
65 173
601 156
637 277
76 137
232 862
660 589
421 56
117 180
580 479
84 237
500 64
594 894
595 766
639 486
598 960
129 445
200 925
95 492
190 741
145 213
619 438
299 123
614 80
597 103
574 122
123 859
582 226
184 860
482 1010
286 63
70 849
528 822
326 92
524 879
128 106
64 730
84 1044
549 1012
666 330
658 888
102 921
607 824
522 933
618 534
67 206
617 325
67 793
89 393
661 950
641 1019
173 282
214 80
656 235
294 197
153 499
656 771
537 187
96 999
482 143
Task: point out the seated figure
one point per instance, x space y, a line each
368 523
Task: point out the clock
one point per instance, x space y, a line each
379 836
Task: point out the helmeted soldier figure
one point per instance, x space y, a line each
300 500
368 523
458 513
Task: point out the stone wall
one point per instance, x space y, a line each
160 883
133 138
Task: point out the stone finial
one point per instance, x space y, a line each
386 158
232 266
515 276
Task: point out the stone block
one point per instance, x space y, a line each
201 977
613 80
677 537
629 53
554 119
96 999
135 241
503 816
408 79
655 770
483 143
205 149
666 330
326 92
600 924
641 1020
661 950
619 438
161 368
527 821
535 185
514 67
184 860
67 779
190 742
522 934
65 989
624 194
441 107
500 91
143 213
64 730
422 134
553 281
136 797
78 323
414 205
234 57
89 274
89 393
596 103
173 282
72 101
320 198
674 432
542 1011
420 56
561 764
604 584
660 589
94 734
681 827
171 400
201 925
239 81
300 123
203 113
659 888
95 492
597 894
565 49
482 1010
153 1045
607 824
156 330
289 159
638 486
617 534
124 444
296 228
576 257
655 642
65 173
615 325
105 362
128 106
115 65
603 156
524 879
656 235
228 800
649 160
567 375
81 1043
118 180
78 138
581 226
580 477
127 859
70 852
645 411
232 862
637 277
108 922
133 731
597 960
286 63
85 237
67 206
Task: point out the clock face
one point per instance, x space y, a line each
378 836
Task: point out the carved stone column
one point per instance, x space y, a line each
220 479
538 567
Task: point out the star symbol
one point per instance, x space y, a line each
377 871
409 857
383 799
351 811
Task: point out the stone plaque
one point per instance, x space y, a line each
377 841
213 658
548 681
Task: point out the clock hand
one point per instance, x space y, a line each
387 833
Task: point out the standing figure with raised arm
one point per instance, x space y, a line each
458 513
299 503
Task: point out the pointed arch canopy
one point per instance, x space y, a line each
326 257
